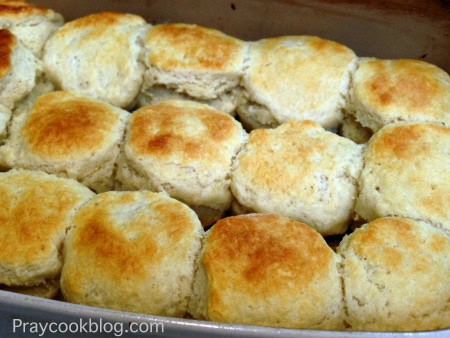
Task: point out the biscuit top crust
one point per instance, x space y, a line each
192 47
416 157
406 88
124 237
99 25
401 239
283 69
17 8
7 44
297 149
183 130
34 213
263 254
63 125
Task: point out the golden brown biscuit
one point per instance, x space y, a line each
35 215
264 269
70 136
396 274
295 78
407 174
192 62
132 251
32 24
185 149
390 91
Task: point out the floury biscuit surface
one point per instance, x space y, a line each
19 70
98 56
185 149
67 135
132 251
35 215
396 273
300 171
265 269
407 173
33 25
295 78
193 62
391 91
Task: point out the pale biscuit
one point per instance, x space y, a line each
132 251
295 78
300 171
5 115
48 289
265 269
391 91
98 56
32 24
19 70
35 215
185 149
407 174
195 63
396 273
69 136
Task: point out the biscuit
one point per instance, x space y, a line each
32 24
185 149
5 115
300 171
19 70
98 56
132 251
396 273
295 78
35 215
193 62
69 136
391 91
265 269
406 174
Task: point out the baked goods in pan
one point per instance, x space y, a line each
396 273
32 24
301 171
295 78
36 210
184 148
132 251
67 135
19 70
265 269
98 56
391 91
192 62
406 173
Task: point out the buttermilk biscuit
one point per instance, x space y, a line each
265 269
69 136
396 273
19 69
390 91
32 24
407 174
192 62
132 251
300 171
35 214
47 289
98 56
295 78
185 149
